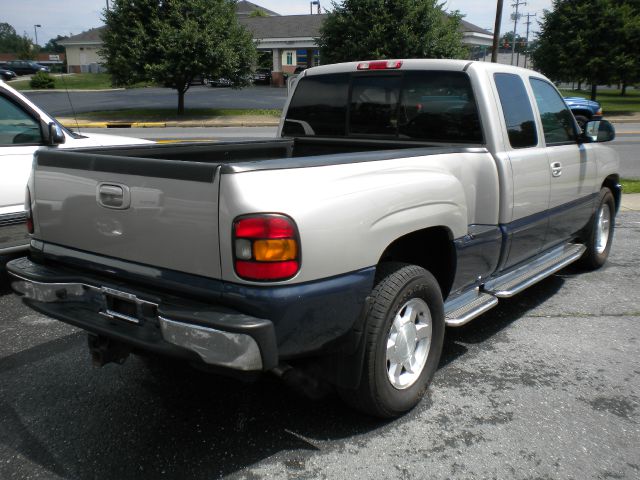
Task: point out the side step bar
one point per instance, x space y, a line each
516 281
466 307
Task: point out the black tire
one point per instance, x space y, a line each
582 121
597 252
398 285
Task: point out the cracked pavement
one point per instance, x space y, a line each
546 385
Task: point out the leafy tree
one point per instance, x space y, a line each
52 45
596 41
375 29
11 42
173 41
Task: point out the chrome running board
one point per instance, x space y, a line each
463 309
509 284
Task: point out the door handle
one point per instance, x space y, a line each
111 195
556 169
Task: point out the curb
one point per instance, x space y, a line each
186 124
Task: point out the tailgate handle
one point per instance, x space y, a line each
112 195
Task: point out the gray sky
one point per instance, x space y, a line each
75 16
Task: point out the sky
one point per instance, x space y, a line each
71 17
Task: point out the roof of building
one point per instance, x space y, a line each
274 26
244 9
470 27
93 35
289 26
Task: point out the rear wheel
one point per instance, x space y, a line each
599 233
405 331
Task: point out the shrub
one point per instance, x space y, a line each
42 80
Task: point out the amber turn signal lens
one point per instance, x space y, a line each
275 250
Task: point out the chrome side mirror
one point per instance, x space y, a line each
598 131
56 135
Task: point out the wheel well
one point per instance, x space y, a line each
431 249
584 113
612 182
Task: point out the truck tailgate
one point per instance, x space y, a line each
162 213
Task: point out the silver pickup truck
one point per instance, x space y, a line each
402 197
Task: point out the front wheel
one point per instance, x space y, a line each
582 121
599 234
405 331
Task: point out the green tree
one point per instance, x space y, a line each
52 45
378 29
173 41
591 41
11 42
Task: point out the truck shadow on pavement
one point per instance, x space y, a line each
61 417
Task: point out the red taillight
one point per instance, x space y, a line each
380 65
27 207
266 247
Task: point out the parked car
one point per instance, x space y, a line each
25 67
25 129
7 74
584 110
262 76
403 196
219 82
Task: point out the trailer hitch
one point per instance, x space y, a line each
104 350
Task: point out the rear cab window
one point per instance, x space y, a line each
421 105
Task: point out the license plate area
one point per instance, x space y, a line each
126 306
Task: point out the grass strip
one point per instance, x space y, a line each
630 185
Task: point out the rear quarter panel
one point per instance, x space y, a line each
348 214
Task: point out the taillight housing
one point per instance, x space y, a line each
266 247
27 207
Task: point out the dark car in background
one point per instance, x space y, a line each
7 75
25 67
262 76
584 110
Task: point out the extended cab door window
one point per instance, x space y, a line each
17 127
517 111
557 120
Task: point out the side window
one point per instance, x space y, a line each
557 119
517 111
16 126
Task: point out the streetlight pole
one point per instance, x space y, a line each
528 15
35 31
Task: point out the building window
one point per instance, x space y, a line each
289 58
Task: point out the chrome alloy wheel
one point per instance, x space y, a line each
603 227
408 343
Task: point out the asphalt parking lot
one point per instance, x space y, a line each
544 386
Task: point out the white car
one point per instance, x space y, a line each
25 128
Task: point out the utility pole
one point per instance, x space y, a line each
515 25
496 32
528 15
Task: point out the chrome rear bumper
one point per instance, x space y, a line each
217 336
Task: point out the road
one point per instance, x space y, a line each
546 385
58 103
627 143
